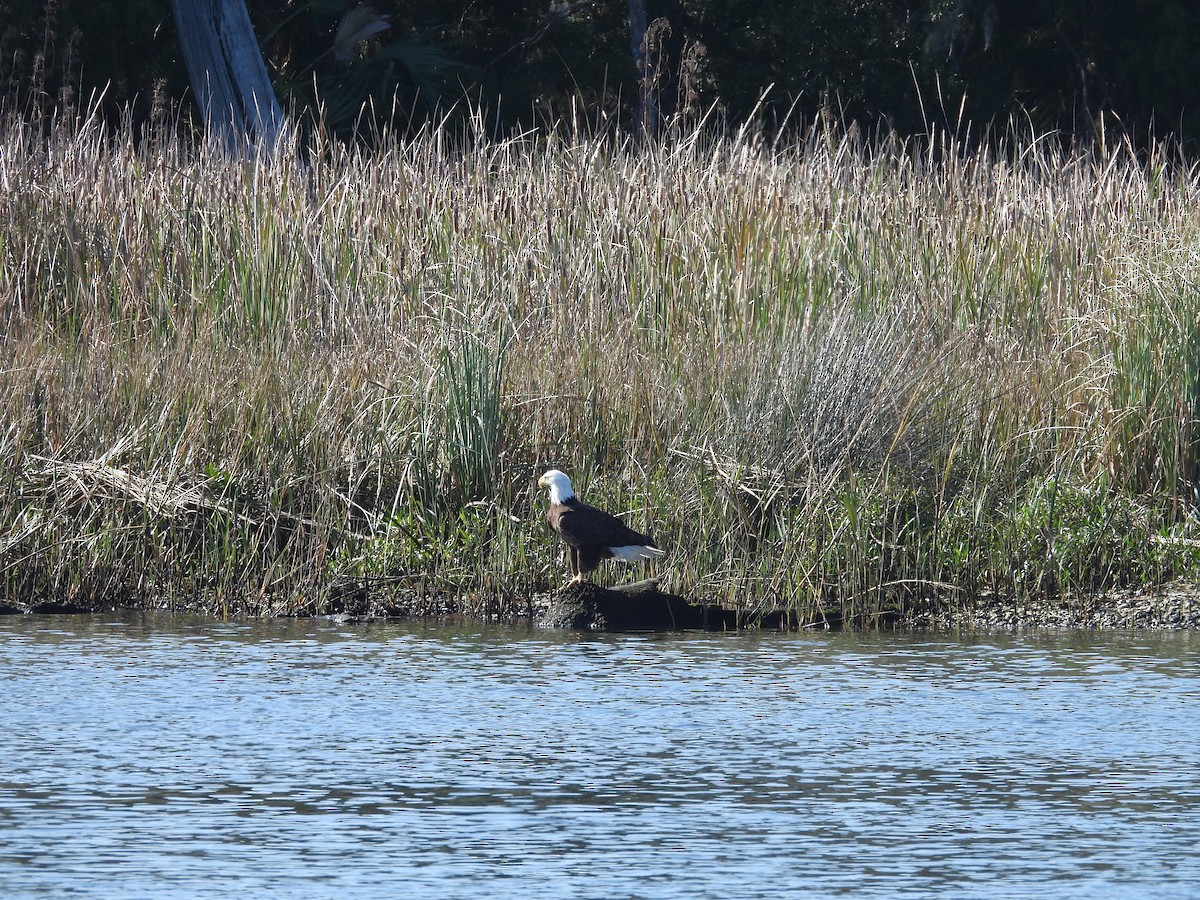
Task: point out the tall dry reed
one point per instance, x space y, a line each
840 377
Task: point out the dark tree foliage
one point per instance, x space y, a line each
852 55
957 64
358 67
75 53
1063 63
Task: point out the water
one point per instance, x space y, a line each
165 757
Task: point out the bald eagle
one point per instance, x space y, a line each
589 533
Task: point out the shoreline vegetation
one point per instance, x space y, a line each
862 382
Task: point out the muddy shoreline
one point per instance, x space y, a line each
1166 607
642 606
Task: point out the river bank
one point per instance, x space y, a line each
1174 606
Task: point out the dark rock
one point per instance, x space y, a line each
641 606
62 608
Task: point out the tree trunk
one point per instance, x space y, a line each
229 79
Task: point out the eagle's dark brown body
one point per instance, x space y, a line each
591 535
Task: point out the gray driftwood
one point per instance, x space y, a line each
227 73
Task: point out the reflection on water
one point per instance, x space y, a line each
166 757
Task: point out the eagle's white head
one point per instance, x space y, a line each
558 484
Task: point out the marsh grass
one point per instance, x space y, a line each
851 380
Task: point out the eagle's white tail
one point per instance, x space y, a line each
634 552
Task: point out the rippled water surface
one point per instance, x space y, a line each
167 757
